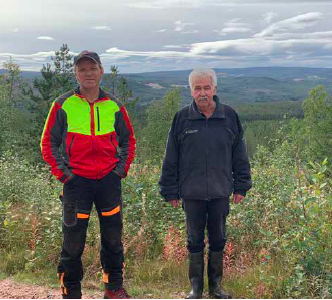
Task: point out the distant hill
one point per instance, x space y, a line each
247 85
237 85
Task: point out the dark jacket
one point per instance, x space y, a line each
205 158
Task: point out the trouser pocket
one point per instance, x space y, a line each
69 212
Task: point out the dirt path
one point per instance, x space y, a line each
13 290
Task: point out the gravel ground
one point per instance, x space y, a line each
13 290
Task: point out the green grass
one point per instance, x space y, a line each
3 276
259 281
159 279
44 277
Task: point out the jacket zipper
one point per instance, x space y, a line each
206 157
98 120
71 144
93 125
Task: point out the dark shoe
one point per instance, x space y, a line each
72 296
215 272
120 293
196 275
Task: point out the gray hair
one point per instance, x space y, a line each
203 73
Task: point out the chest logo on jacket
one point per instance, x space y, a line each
191 131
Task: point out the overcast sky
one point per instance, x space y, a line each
156 35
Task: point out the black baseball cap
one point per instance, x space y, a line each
87 54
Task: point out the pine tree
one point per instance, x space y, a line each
12 77
114 78
64 75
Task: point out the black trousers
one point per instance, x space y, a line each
79 194
201 214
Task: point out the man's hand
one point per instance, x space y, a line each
174 203
237 198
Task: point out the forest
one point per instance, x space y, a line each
279 238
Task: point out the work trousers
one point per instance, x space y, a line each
202 214
79 194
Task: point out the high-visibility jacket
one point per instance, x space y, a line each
96 137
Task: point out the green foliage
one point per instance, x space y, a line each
260 133
281 232
114 75
54 82
12 78
268 111
146 213
287 214
317 123
12 118
30 218
159 119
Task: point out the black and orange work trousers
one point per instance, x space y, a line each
79 194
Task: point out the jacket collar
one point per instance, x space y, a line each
219 111
102 94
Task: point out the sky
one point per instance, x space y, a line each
164 35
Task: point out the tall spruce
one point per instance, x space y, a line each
114 78
64 74
12 77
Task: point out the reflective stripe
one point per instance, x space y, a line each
61 275
63 289
83 216
112 212
105 277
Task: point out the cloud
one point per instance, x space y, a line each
164 4
232 53
161 4
262 47
160 30
269 16
220 32
312 35
192 31
151 54
176 46
235 30
179 25
101 27
236 23
31 62
46 38
15 30
295 23
234 26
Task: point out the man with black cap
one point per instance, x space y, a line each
98 146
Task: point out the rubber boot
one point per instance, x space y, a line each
215 272
196 275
